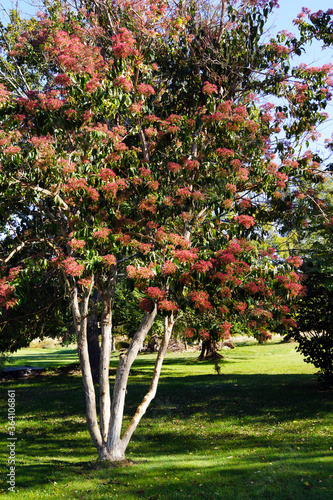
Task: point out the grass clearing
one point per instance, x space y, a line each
261 429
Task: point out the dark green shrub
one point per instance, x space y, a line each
314 332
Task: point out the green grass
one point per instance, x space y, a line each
47 358
261 429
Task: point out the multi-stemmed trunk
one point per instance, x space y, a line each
106 431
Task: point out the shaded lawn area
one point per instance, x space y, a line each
261 429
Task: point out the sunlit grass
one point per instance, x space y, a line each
44 357
261 429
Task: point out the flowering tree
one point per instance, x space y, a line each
116 163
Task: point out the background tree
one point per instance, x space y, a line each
314 322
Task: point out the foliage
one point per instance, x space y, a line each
314 332
41 310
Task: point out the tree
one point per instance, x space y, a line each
109 170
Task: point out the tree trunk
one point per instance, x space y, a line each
107 435
209 350
169 322
115 449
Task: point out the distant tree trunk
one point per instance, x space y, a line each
93 346
153 343
113 348
185 345
209 350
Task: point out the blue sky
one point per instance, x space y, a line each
315 56
282 19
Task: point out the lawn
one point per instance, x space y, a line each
260 429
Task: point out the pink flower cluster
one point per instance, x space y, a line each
145 247
189 333
75 55
169 268
62 80
231 188
295 261
225 329
141 273
76 244
225 153
259 312
178 240
3 93
202 266
209 88
204 335
251 287
123 44
191 165
6 291
145 90
11 150
123 83
106 174
174 119
201 301
124 239
241 307
167 305
156 293
269 252
72 268
289 322
85 282
245 220
102 234
74 185
223 310
263 335
174 167
149 204
293 288
226 257
151 132
185 255
146 305
109 260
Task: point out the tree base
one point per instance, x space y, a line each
209 351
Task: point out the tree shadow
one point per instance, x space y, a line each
51 427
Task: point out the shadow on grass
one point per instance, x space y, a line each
202 416
45 357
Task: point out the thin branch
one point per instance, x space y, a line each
222 23
145 150
62 203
